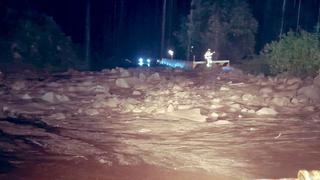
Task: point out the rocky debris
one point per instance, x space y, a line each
18 85
248 97
265 111
280 101
266 91
124 72
191 114
58 116
54 98
170 108
310 92
122 83
222 122
154 77
293 80
136 93
100 88
166 103
142 77
26 97
91 112
214 116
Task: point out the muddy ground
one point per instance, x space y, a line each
157 124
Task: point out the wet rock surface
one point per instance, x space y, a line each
225 125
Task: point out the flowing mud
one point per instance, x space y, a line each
92 126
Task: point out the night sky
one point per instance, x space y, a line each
130 28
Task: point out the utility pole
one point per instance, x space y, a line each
163 29
87 32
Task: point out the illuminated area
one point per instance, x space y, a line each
171 53
144 62
140 62
174 63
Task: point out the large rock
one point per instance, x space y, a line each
280 101
100 88
248 97
26 97
311 92
154 77
266 112
112 102
49 97
58 116
142 77
192 114
18 85
91 112
122 83
266 90
124 72
294 80
54 98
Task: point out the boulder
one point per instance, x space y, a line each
294 80
62 98
265 111
248 97
280 101
49 97
154 77
224 88
142 77
122 83
99 88
294 86
26 97
311 92
192 114
266 90
58 116
214 116
112 102
170 108
18 85
91 112
136 93
124 72
54 98
222 122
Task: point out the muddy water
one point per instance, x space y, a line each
145 147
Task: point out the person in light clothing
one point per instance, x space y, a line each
208 57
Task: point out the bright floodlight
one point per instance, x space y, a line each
140 62
148 62
171 53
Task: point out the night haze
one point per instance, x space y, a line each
160 89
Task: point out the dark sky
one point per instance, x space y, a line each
130 28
